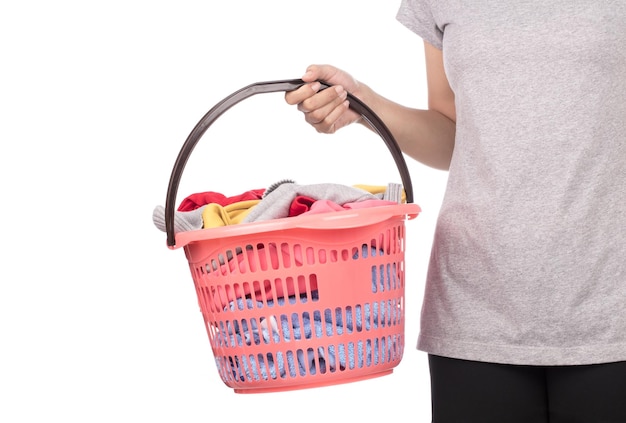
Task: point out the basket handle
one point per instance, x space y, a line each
269 87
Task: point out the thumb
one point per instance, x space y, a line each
332 76
321 73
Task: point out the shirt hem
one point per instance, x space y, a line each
522 355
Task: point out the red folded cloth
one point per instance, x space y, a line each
195 201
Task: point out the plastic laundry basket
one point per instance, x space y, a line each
305 301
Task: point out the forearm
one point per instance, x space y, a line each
425 135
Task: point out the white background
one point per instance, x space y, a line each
98 318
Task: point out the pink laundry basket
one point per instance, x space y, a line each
300 302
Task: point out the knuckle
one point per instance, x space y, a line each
317 116
325 126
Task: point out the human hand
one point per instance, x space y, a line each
326 110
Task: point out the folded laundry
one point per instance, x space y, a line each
183 221
215 215
325 206
301 204
283 200
391 192
195 201
277 203
225 210
211 215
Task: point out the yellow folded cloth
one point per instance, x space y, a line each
215 215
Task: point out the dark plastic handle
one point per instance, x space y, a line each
270 87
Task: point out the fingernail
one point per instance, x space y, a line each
341 91
316 86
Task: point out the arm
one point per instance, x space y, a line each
425 135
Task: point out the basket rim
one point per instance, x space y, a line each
343 219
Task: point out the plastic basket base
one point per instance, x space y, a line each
310 385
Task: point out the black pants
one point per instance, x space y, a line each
475 392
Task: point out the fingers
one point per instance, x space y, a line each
320 106
330 122
324 109
327 73
321 109
304 92
323 101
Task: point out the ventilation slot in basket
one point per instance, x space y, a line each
296 363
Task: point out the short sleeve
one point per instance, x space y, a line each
417 15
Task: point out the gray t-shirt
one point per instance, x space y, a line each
528 261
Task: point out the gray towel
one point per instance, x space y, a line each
277 203
183 221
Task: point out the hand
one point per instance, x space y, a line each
326 110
